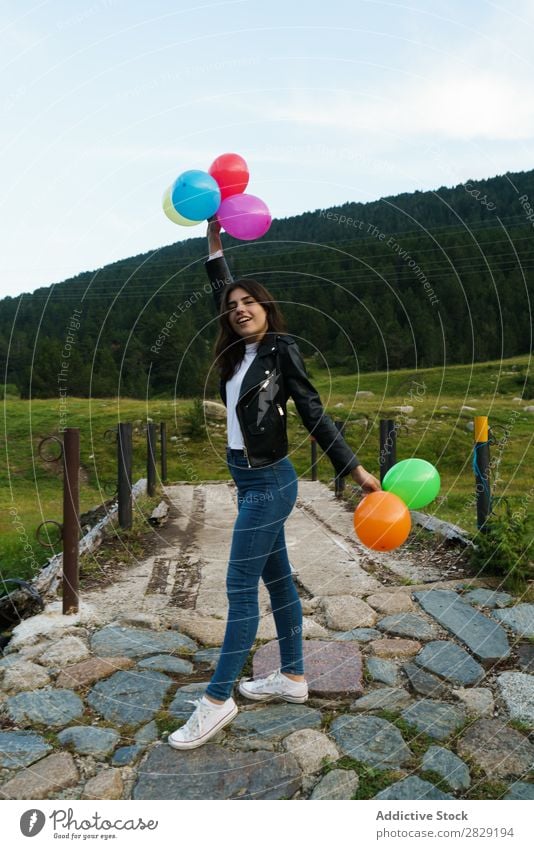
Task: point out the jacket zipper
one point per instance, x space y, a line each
243 429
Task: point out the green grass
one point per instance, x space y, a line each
32 489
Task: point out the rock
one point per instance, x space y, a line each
127 755
209 656
344 612
386 698
310 749
517 692
395 648
49 707
520 790
361 635
88 740
47 776
107 784
525 657
371 740
141 620
408 625
181 706
500 751
487 598
385 671
138 642
275 722
129 697
486 640
448 765
450 662
21 748
520 619
338 784
529 409
390 603
214 410
166 663
66 650
209 630
25 675
412 788
333 668
88 671
147 733
404 408
424 683
214 772
477 700
465 409
437 719
364 393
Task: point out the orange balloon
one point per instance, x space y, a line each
382 521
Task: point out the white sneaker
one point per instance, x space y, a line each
275 685
204 722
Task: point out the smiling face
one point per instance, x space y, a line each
247 317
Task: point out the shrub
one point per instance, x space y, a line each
195 424
502 548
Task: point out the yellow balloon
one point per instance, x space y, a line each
172 214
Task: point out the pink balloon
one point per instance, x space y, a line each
244 216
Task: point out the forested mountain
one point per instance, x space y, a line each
403 282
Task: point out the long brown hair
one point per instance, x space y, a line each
229 346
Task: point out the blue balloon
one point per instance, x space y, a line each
195 195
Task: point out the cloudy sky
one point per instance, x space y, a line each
103 103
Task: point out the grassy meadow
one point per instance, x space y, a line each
436 429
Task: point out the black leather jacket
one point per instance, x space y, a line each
276 374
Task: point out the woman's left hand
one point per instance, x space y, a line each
366 480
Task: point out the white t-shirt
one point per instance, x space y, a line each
233 388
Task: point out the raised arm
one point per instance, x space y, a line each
216 266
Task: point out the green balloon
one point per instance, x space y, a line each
415 481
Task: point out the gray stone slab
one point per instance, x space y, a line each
520 619
214 772
127 755
520 790
147 733
425 683
275 722
448 765
181 706
502 752
167 663
209 656
371 740
451 662
408 625
114 640
337 784
89 740
437 719
525 657
517 692
129 697
486 638
361 635
332 668
49 707
488 598
21 748
412 788
385 698
385 671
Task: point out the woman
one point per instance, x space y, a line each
260 368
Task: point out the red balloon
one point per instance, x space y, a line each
230 171
382 521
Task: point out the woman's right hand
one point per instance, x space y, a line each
213 234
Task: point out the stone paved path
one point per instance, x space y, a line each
423 678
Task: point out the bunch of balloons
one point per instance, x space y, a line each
382 519
197 195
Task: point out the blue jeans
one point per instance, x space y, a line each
265 498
